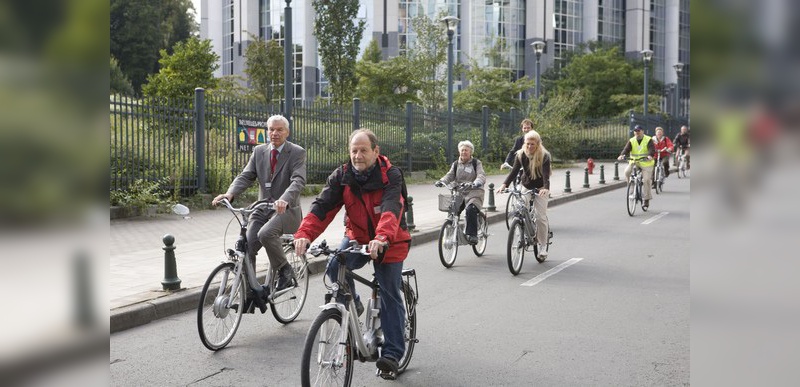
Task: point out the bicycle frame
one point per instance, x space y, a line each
522 212
457 191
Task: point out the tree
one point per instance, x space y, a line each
119 82
428 56
338 36
264 61
493 87
191 65
372 53
387 83
554 121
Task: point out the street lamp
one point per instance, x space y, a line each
451 22
647 55
538 48
288 63
678 70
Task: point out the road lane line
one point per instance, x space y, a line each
655 218
543 276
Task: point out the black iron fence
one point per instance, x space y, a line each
190 145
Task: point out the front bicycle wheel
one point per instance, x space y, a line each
516 246
659 179
483 235
217 323
288 305
630 198
509 212
448 245
410 331
320 366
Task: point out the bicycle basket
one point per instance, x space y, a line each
445 201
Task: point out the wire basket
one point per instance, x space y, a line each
446 200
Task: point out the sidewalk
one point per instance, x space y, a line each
137 257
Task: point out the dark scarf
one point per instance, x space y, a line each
362 177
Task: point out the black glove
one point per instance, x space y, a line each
439 183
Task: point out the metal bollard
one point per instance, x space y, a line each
410 215
616 170
567 188
585 177
602 174
171 280
491 207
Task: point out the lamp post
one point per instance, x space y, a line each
647 55
451 22
678 70
288 67
538 48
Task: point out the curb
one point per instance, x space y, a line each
183 300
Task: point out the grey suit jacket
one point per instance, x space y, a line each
289 178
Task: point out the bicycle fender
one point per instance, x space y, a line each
333 305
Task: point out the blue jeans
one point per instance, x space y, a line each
389 276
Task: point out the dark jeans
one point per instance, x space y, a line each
471 228
389 276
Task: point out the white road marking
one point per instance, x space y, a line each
655 218
543 276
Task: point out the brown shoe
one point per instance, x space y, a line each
645 205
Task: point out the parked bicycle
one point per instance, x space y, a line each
233 287
681 163
452 234
522 233
337 337
635 188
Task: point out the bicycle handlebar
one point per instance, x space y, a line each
318 249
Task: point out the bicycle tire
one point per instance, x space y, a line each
448 245
630 198
410 331
658 179
515 251
322 342
483 235
509 208
216 324
288 306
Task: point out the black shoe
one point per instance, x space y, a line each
473 240
285 278
388 367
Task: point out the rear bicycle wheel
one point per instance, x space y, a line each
216 323
509 212
319 366
483 235
410 330
448 245
286 307
630 198
516 246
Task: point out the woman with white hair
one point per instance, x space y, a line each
534 162
468 169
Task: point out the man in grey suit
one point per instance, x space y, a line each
280 169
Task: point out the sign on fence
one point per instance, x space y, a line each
249 134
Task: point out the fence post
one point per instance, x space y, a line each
512 116
567 188
585 177
200 137
602 174
171 280
356 113
410 214
491 207
409 112
616 170
485 130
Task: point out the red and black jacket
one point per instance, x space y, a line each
379 198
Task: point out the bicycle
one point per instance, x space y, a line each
659 175
337 337
232 287
522 234
452 234
681 163
635 189
509 209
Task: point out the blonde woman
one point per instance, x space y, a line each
533 160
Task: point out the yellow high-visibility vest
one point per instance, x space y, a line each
639 150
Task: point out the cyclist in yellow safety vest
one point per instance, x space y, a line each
641 149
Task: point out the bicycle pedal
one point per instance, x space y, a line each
387 375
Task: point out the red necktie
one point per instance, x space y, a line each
273 161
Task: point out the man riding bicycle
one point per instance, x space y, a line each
682 142
280 170
370 189
641 150
526 125
663 148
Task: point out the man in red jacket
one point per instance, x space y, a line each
370 189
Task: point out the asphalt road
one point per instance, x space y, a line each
617 313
